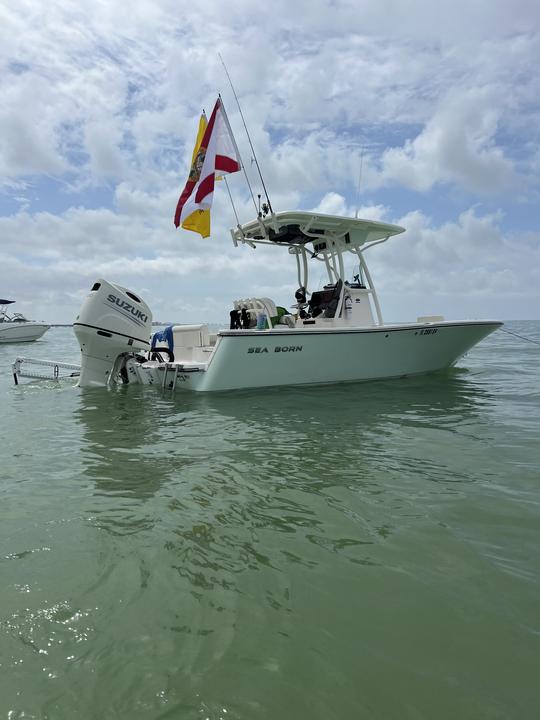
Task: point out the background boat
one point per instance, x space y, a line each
16 328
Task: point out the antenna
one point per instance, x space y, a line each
248 136
232 202
359 181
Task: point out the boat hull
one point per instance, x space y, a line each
251 359
18 332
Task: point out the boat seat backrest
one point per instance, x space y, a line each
257 305
334 301
190 336
326 300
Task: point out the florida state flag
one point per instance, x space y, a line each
216 155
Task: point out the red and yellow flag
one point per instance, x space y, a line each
215 154
198 221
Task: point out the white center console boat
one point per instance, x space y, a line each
331 335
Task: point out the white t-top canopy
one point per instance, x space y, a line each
299 228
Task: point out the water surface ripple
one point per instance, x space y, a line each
362 551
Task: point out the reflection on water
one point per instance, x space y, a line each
137 441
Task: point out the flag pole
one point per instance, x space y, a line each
249 138
225 117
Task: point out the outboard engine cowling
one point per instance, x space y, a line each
112 321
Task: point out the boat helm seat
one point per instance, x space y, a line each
325 301
331 308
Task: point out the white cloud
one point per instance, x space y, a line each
102 142
335 204
457 145
105 99
29 138
460 265
463 266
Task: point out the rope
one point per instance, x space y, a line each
522 337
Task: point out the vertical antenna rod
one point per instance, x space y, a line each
232 201
247 132
359 181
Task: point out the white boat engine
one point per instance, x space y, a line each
112 323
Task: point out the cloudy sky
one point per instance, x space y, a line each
438 102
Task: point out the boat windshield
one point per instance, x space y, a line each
4 317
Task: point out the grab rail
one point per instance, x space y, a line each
56 374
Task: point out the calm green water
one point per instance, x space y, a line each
363 551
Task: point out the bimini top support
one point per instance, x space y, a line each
322 237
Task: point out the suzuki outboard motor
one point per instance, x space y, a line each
113 321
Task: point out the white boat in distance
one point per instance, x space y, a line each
333 335
16 328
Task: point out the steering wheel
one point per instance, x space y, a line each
155 354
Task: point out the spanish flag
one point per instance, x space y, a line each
198 221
